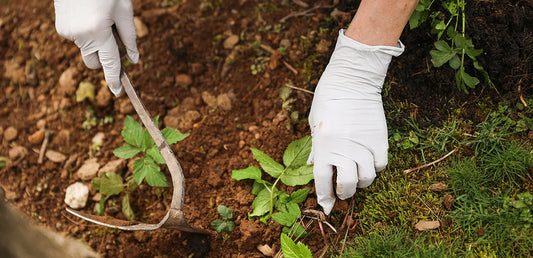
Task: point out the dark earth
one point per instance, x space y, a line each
183 62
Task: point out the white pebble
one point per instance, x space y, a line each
77 195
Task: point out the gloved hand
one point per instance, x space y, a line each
347 120
88 23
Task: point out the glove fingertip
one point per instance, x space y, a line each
133 56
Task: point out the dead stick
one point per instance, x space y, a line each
290 67
303 13
43 147
272 51
431 163
300 89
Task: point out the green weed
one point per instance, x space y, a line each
225 224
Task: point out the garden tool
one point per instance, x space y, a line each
175 218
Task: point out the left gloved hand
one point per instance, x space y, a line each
88 23
347 120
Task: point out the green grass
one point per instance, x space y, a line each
490 179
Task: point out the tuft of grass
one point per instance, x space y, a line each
396 243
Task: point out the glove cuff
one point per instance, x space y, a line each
362 64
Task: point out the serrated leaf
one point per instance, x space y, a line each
126 208
251 172
148 141
156 155
126 152
172 135
269 165
297 152
225 212
292 250
284 218
300 195
293 209
259 185
109 184
146 168
299 176
439 57
133 132
261 203
218 225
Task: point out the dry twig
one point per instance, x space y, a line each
43 146
307 12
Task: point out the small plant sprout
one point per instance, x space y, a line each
294 172
138 141
225 224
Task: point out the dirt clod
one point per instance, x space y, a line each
10 134
115 166
209 99
88 170
67 83
183 80
55 156
224 102
231 41
424 225
438 187
37 137
17 153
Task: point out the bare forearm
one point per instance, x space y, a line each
380 22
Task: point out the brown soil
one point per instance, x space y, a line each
182 41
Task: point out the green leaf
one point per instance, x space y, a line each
300 195
251 172
468 80
133 132
296 231
455 62
259 185
126 152
156 155
442 46
109 184
472 52
299 176
172 135
225 212
293 209
148 141
267 163
261 203
297 152
292 250
146 168
440 57
220 225
126 208
284 218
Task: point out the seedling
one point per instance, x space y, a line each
294 172
225 224
138 141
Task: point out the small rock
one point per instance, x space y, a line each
62 138
224 102
17 153
88 170
98 139
37 137
424 225
10 134
41 124
97 197
231 41
77 195
266 250
54 156
85 91
323 46
183 80
140 27
286 43
209 99
103 97
67 84
113 166
438 187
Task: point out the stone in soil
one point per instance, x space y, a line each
424 225
76 195
88 170
54 156
10 134
231 41
67 84
115 166
103 97
224 102
183 80
17 153
37 137
209 99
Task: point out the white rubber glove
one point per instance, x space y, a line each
347 120
88 23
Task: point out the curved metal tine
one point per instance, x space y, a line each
115 223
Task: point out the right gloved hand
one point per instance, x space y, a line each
88 23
